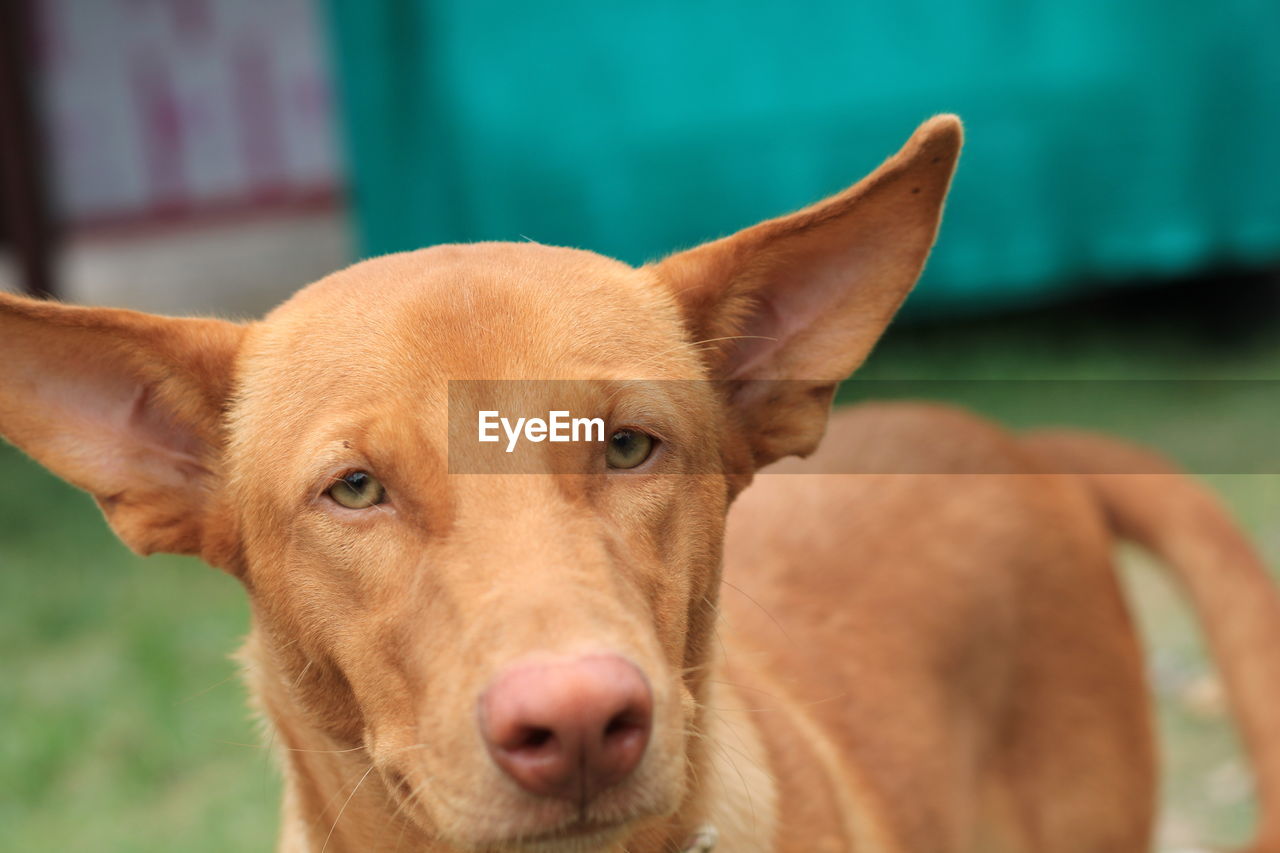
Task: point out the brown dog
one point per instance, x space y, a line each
937 661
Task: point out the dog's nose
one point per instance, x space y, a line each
568 729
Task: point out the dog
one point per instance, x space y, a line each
455 655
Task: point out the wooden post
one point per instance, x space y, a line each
24 208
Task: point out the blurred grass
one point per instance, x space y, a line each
118 704
125 727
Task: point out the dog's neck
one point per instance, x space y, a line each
335 802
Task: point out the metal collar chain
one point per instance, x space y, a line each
702 841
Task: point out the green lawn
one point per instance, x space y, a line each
120 710
125 726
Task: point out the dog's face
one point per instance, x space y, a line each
520 651
392 608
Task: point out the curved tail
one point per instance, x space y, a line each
1147 500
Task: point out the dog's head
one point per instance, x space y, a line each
520 653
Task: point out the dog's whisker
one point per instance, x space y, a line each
741 686
746 787
343 810
235 676
714 744
704 343
269 747
742 751
304 671
761 607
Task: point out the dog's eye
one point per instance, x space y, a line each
357 490
628 448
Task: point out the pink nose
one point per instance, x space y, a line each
568 729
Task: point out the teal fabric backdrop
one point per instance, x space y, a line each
1107 139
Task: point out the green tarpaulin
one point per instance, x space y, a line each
1107 139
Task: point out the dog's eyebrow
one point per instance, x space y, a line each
323 460
655 405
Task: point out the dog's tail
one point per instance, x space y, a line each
1148 501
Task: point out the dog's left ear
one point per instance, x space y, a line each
130 408
793 305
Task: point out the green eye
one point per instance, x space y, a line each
628 448
357 490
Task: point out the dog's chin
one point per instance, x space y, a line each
577 837
539 826
545 831
570 836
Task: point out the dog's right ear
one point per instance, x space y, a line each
127 406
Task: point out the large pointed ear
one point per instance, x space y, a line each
128 407
792 306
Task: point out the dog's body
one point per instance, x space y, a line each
932 660
988 732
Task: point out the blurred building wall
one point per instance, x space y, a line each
155 108
189 151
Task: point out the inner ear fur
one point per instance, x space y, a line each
129 407
786 309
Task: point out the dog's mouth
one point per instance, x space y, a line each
549 829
